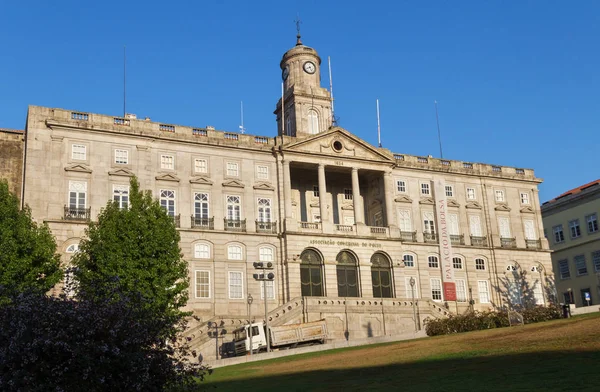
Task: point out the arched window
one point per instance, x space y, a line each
311 274
381 276
409 260
347 274
480 264
72 248
265 254
433 262
202 251
234 252
457 263
313 122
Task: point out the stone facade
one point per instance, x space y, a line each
11 161
572 228
346 225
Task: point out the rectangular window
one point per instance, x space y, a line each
202 251
409 260
401 186
201 205
538 293
559 235
347 194
167 201
264 210
167 162
504 226
200 166
449 191
453 224
433 262
77 194
596 260
79 152
233 207
461 290
378 219
121 195
428 224
499 195
574 228
233 169
270 288
315 191
436 289
480 264
470 193
235 285
234 252
580 265
563 268
404 220
484 291
425 189
262 172
524 198
411 292
475 225
514 291
592 223
529 227
202 284
121 157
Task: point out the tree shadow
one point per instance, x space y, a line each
520 290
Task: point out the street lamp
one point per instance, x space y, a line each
250 299
412 289
264 277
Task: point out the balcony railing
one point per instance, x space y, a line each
478 241
266 227
345 228
235 224
430 237
408 236
508 242
176 220
77 214
377 230
457 239
533 244
203 223
310 225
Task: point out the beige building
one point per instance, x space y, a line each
11 158
571 226
347 225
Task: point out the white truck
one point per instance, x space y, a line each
282 337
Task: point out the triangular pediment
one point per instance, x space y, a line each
201 180
265 186
233 184
78 168
473 204
167 177
426 200
337 142
453 203
527 210
502 207
403 199
121 172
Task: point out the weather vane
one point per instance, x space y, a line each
298 22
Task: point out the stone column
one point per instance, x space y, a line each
388 190
287 189
323 194
359 214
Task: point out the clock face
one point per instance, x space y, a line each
309 67
285 73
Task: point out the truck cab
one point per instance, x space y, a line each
242 339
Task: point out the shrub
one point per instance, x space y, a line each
541 313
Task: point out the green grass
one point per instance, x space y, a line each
561 355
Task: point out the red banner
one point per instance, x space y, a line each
450 291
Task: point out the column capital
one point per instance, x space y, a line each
387 173
321 165
354 169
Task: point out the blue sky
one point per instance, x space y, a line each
516 81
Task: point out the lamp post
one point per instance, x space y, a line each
264 277
412 289
250 299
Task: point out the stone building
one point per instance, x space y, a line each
571 225
11 158
347 226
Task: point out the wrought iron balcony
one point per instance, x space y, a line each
408 236
457 239
235 224
478 241
266 227
203 223
77 214
533 244
508 242
430 237
176 220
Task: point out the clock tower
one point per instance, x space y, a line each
307 105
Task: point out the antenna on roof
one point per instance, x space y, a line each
437 119
242 129
333 122
378 125
124 80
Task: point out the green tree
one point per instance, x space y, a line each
138 247
28 258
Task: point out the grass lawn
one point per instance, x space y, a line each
561 355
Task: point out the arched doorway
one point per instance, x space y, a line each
381 276
311 273
347 274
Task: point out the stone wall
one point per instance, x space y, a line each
11 158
